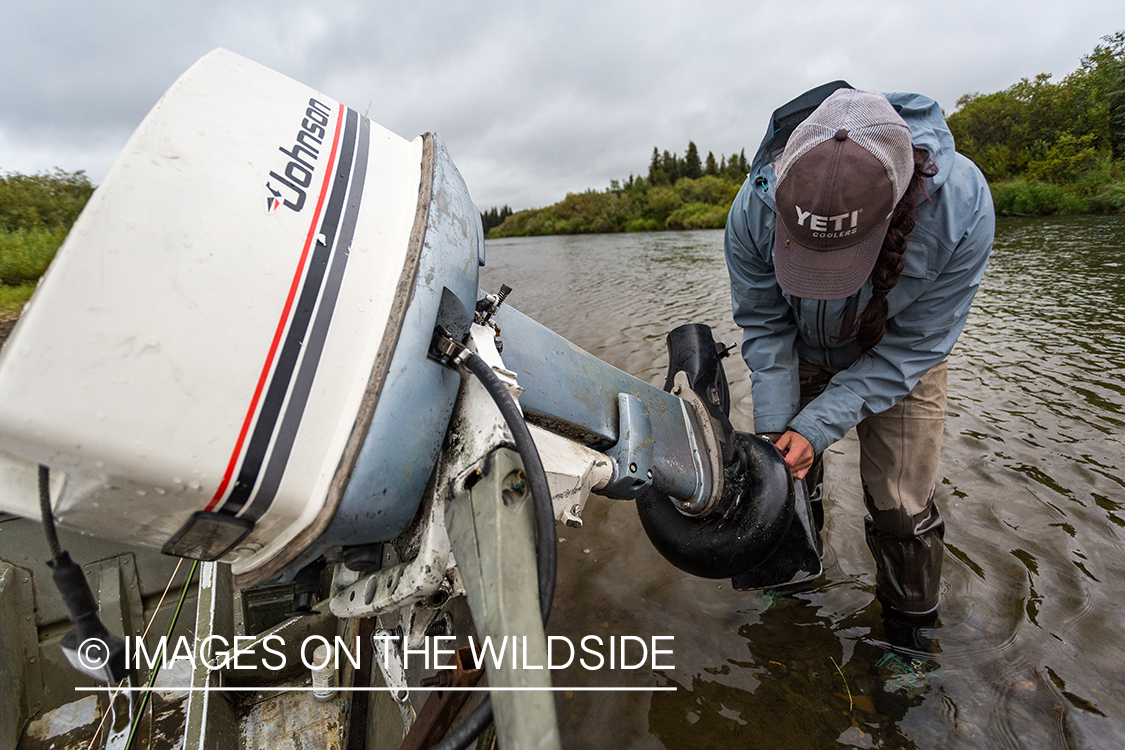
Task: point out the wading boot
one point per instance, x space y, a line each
908 555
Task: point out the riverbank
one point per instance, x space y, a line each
24 257
1035 198
664 209
12 300
637 206
7 323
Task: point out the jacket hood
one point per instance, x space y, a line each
922 114
928 130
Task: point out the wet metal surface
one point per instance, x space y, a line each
81 725
1032 490
293 721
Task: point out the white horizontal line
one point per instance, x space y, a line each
375 689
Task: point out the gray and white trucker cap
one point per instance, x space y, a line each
839 178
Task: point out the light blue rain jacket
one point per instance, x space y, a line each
944 262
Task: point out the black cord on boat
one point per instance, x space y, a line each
546 541
45 509
81 605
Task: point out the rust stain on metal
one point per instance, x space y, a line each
442 707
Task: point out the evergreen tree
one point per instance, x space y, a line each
672 166
693 170
494 218
712 168
654 170
732 171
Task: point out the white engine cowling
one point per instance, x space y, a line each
227 357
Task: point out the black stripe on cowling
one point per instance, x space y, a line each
314 344
282 376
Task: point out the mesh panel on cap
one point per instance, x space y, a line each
871 122
885 142
805 138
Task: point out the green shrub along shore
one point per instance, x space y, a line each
639 205
1045 148
36 212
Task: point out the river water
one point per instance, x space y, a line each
1032 651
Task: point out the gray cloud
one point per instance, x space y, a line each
534 100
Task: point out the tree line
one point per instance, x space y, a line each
668 168
678 193
494 217
1045 147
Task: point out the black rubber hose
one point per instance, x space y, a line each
546 541
45 509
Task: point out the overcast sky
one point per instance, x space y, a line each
534 100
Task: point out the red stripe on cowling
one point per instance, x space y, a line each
283 321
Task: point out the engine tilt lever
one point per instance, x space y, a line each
490 303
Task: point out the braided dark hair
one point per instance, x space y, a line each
872 322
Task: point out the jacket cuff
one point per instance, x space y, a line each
811 432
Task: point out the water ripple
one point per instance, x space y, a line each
1032 491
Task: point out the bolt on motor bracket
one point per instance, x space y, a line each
632 456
